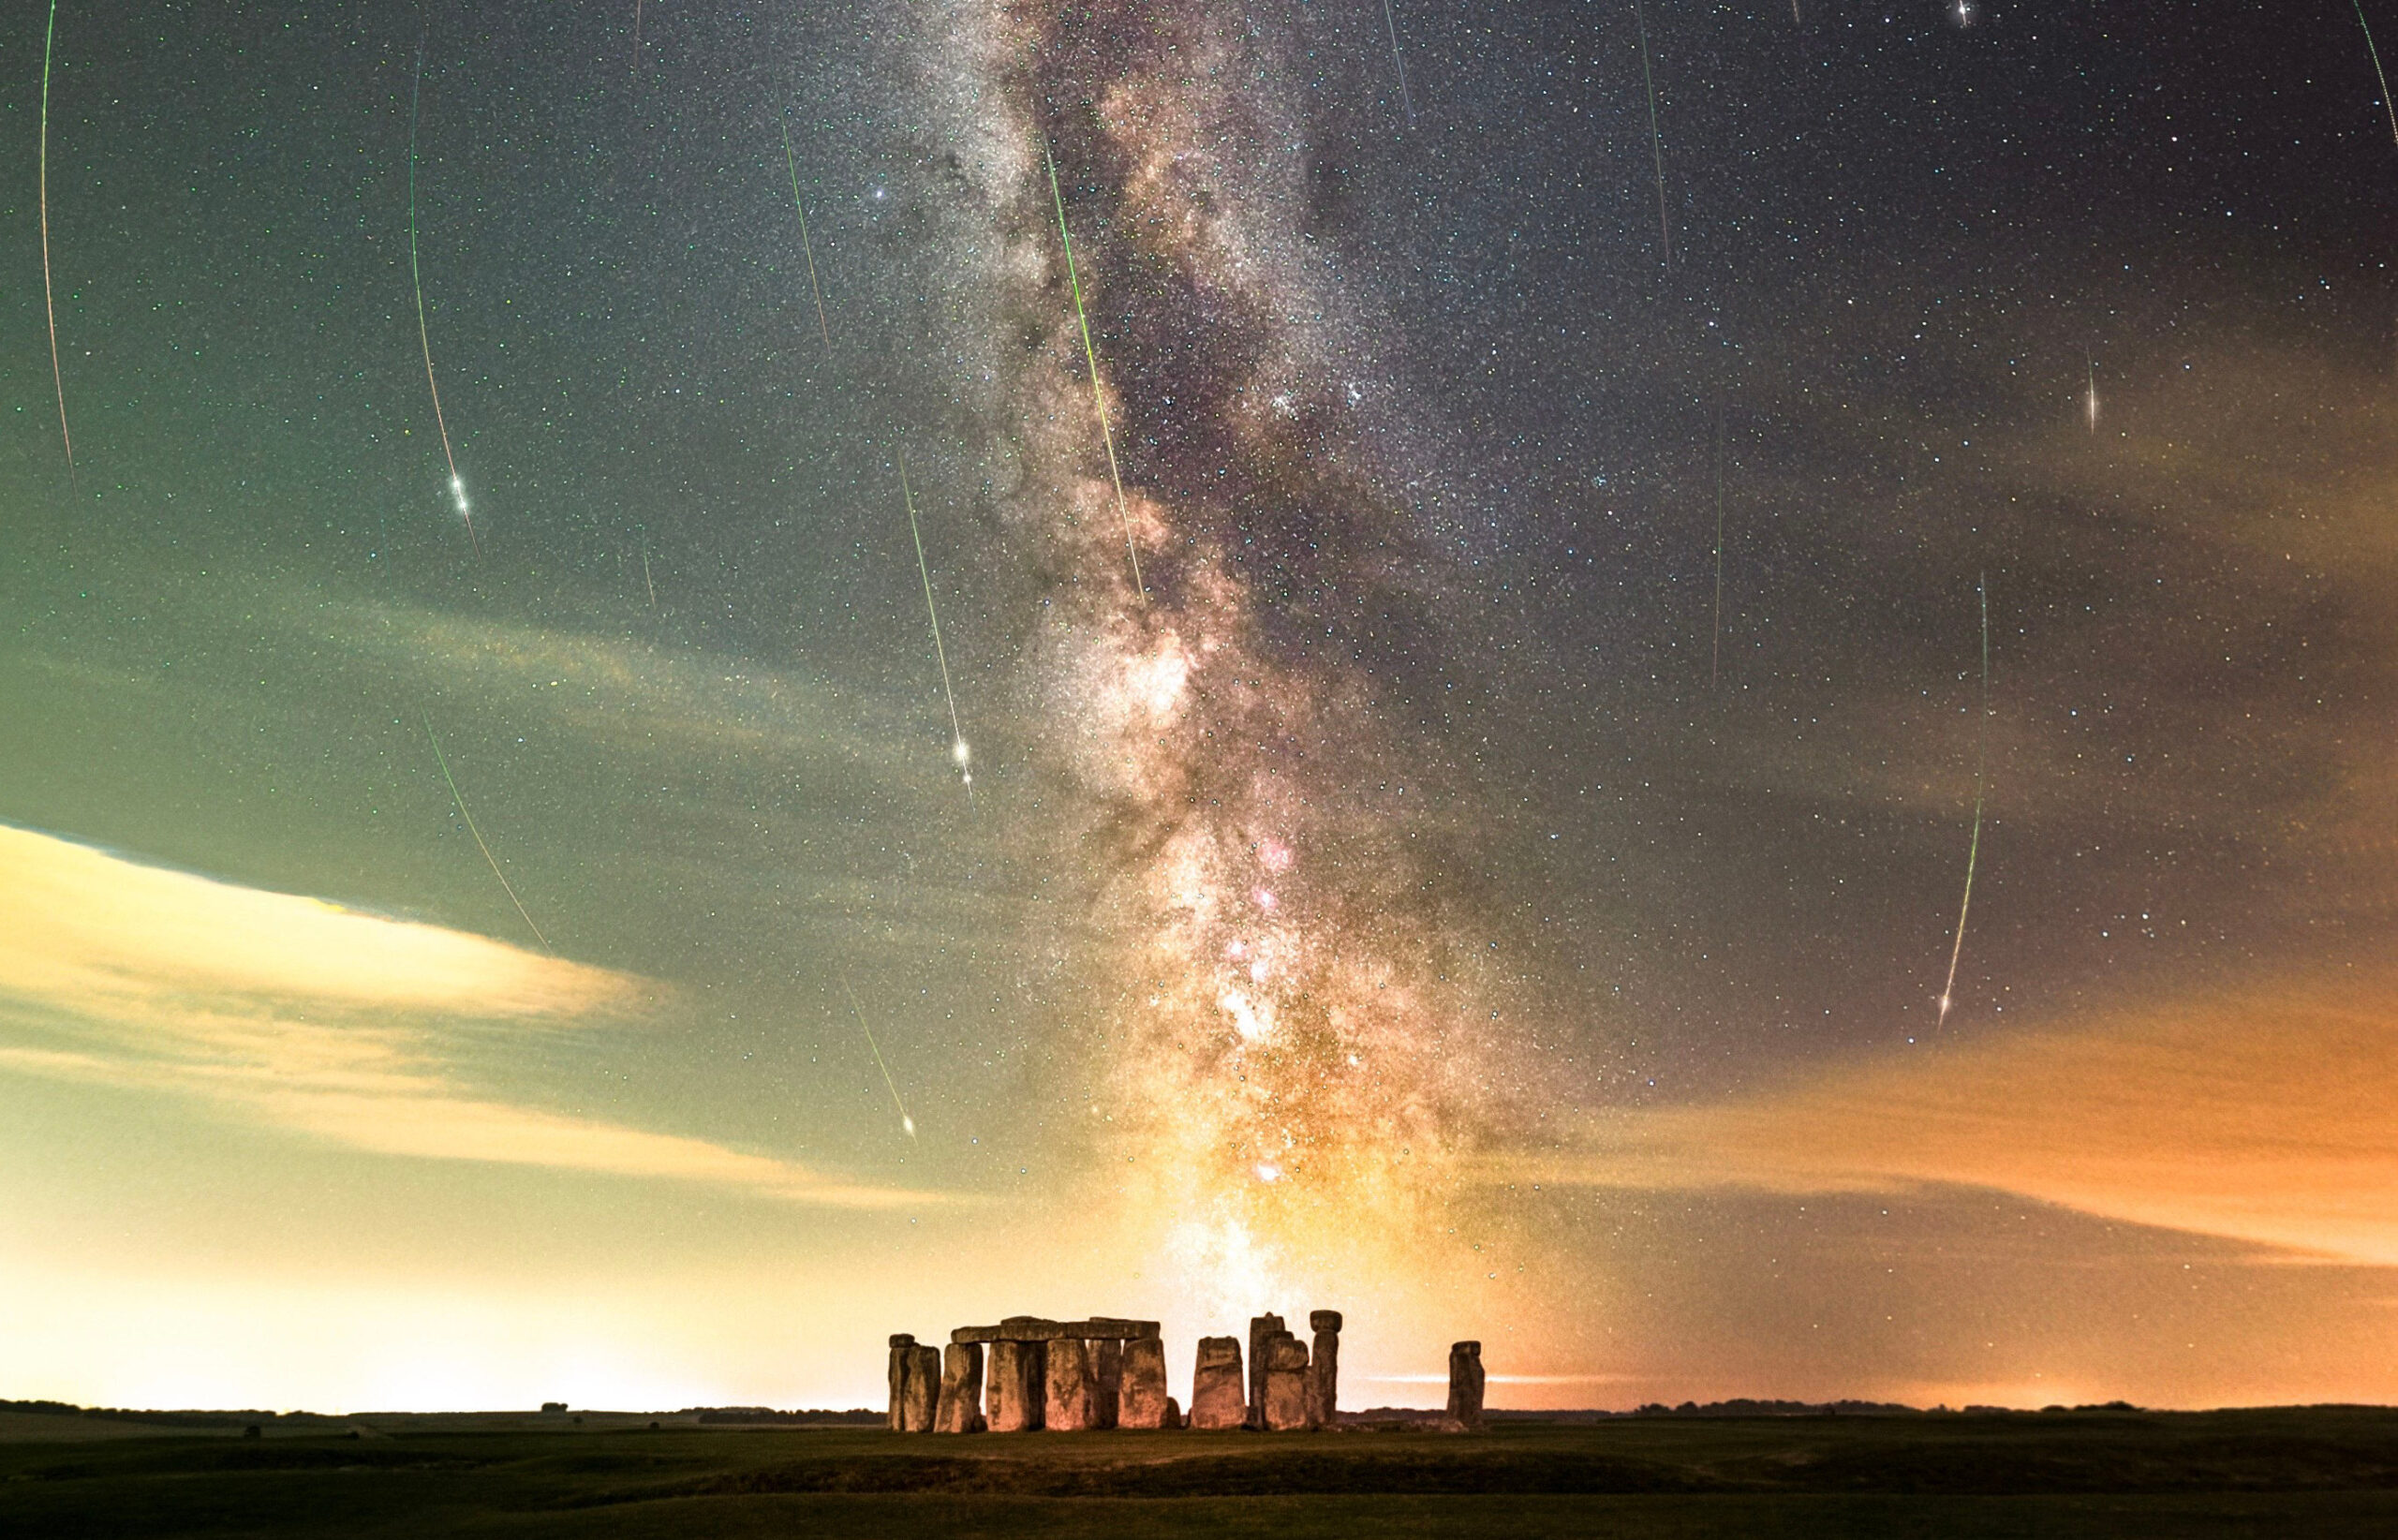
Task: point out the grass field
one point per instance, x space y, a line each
2324 1472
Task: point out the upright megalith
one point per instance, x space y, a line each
1262 1329
1073 1394
1216 1391
1019 1386
921 1396
1286 1384
1465 1387
1324 1369
960 1409
1141 1401
1107 1379
901 1342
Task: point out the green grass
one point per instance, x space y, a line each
2327 1473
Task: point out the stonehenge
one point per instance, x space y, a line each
1072 1376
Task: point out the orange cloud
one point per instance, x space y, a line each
305 1015
2264 1116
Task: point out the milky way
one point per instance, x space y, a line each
1299 1054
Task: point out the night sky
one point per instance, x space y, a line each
1495 871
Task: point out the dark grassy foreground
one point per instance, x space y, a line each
2324 1472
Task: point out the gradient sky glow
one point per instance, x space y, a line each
1416 896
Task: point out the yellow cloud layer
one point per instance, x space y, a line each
2270 1116
308 1017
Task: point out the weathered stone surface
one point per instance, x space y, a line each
1107 1379
960 1409
1072 1392
1323 1370
1173 1414
1261 1330
900 1344
1033 1329
921 1397
1287 1383
1018 1390
1217 1399
1141 1401
1465 1385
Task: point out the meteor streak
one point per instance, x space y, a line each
1656 140
647 581
416 278
1715 656
1981 763
907 1124
957 748
49 304
805 248
2386 105
479 834
1099 399
1391 17
2091 398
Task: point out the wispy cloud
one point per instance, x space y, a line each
2268 1117
305 1015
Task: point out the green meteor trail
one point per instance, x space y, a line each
957 745
479 834
1099 399
49 304
907 1124
805 247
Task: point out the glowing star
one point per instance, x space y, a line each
1269 1172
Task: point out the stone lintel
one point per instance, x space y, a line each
1025 1329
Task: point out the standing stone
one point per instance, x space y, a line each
1323 1370
901 1342
1465 1387
1018 1385
1287 1383
1072 1391
1141 1400
1216 1400
1107 1379
922 1397
1173 1414
961 1389
1261 1329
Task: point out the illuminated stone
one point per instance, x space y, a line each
1323 1370
1018 1385
1261 1329
1286 1384
922 1395
960 1409
1465 1387
1141 1400
1072 1395
1216 1398
901 1342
